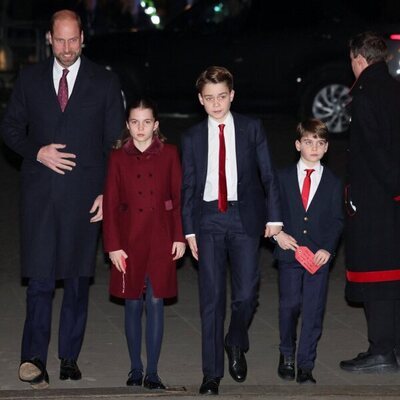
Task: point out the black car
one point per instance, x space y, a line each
291 57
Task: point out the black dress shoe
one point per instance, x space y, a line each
237 362
153 381
304 376
135 378
286 367
69 370
209 386
367 362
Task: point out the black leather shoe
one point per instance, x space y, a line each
367 362
135 378
30 369
304 376
69 370
286 367
237 362
153 381
209 386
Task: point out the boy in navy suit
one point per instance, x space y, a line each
230 198
311 199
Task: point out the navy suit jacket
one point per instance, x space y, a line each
55 228
257 188
321 225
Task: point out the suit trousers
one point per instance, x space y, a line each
221 239
73 315
383 321
301 292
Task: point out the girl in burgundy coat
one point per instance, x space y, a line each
143 233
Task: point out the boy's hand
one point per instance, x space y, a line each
271 230
321 257
285 241
193 246
118 257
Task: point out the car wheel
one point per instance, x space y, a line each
327 99
330 105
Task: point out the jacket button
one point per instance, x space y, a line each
305 218
140 209
138 175
305 231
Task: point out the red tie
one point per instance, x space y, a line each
63 90
305 191
222 191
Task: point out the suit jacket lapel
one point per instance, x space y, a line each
240 144
201 148
294 189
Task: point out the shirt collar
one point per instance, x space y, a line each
213 124
301 167
57 68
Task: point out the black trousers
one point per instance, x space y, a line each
383 320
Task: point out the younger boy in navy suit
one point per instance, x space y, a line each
312 217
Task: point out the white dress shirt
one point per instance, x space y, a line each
71 76
211 186
315 177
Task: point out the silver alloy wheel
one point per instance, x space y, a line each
330 105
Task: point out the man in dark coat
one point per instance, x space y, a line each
372 201
63 116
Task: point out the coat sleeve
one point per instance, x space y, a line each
188 185
114 114
14 127
111 206
378 144
176 185
268 176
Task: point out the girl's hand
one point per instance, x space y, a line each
285 241
178 248
118 258
321 257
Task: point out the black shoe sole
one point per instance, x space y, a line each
379 369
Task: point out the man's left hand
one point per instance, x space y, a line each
97 207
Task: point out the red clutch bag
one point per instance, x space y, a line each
306 258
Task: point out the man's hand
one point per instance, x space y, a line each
271 230
118 258
56 160
193 246
286 242
178 249
98 207
321 257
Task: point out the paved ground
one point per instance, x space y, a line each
104 359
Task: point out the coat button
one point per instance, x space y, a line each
305 231
139 192
305 218
151 192
138 175
150 175
140 209
138 158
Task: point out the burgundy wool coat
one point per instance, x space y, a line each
141 215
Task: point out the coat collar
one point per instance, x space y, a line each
154 149
370 73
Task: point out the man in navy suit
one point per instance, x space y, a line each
312 217
63 116
230 199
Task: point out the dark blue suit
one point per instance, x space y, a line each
57 239
233 235
317 228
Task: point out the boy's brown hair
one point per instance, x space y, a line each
214 74
314 127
